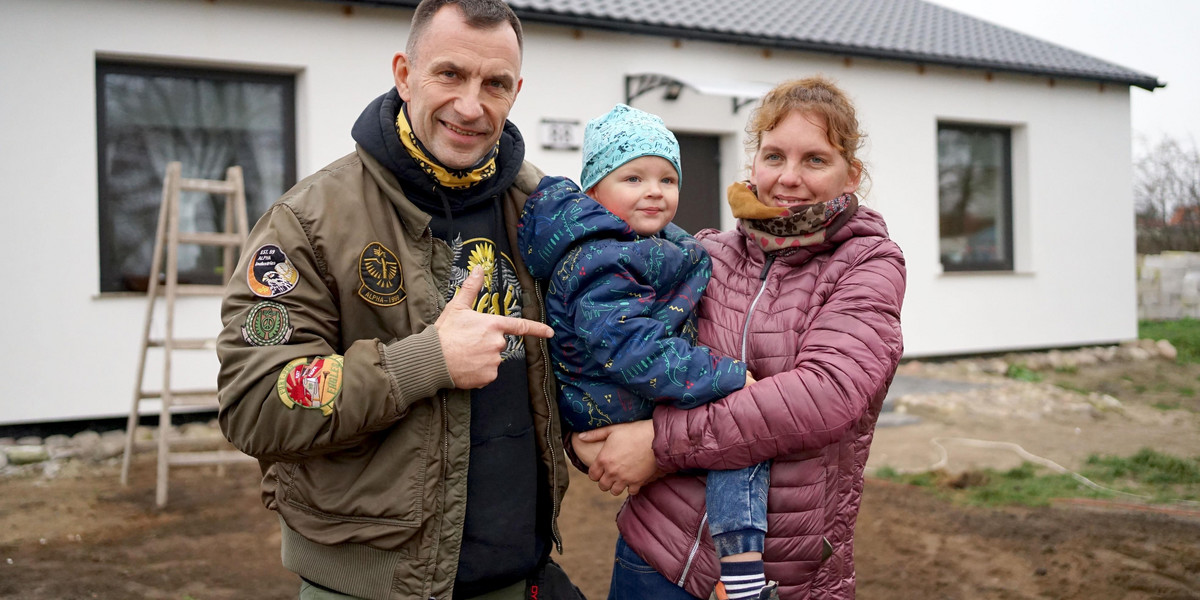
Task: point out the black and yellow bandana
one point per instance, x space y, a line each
455 179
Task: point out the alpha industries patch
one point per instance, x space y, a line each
379 273
271 274
314 385
267 324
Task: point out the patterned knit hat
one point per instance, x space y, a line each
621 135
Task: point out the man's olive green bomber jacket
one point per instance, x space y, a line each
371 483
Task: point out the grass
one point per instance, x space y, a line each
1022 373
1161 477
1184 334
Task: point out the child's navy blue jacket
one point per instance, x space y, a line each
621 308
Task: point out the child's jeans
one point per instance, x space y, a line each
737 508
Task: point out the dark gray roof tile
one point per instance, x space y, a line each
904 30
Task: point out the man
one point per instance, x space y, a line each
395 385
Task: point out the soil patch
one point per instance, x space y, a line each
79 534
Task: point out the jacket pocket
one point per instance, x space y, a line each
383 480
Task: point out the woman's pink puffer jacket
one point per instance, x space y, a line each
820 330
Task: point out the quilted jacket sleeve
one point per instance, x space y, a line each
630 348
847 356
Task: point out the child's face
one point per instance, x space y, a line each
795 164
643 192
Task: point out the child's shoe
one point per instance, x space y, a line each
769 592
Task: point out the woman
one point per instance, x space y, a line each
807 290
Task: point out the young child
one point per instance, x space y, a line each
623 282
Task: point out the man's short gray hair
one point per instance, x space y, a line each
480 14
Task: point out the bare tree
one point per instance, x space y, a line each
1166 193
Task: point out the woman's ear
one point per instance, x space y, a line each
856 169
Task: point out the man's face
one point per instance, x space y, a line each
460 86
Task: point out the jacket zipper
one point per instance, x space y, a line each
442 397
437 539
761 288
695 549
770 259
546 383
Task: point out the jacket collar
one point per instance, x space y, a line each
412 218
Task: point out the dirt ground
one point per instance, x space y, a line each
81 535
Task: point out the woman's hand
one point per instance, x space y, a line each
585 451
626 459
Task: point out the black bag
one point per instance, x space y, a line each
550 582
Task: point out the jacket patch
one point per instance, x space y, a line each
271 274
379 272
267 324
311 385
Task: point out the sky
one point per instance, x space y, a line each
1156 37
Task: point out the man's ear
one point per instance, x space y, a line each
401 69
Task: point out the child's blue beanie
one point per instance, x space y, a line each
621 135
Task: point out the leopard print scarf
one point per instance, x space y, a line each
775 229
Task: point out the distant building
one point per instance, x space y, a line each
1001 162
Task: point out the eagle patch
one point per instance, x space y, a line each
379 275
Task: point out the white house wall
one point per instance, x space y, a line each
72 351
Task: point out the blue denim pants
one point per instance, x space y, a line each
737 508
633 579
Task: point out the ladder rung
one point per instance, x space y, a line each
199 289
212 186
180 394
184 343
207 458
210 400
177 443
210 238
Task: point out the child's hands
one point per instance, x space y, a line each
586 452
749 379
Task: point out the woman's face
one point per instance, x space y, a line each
795 164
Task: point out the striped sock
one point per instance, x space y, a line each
743 579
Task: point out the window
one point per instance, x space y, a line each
209 120
975 197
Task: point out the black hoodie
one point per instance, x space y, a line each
502 537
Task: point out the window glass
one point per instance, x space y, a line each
149 116
974 198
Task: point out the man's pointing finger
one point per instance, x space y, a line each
518 326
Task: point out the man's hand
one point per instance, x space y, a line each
586 452
472 341
626 461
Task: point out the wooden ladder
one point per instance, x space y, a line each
169 237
